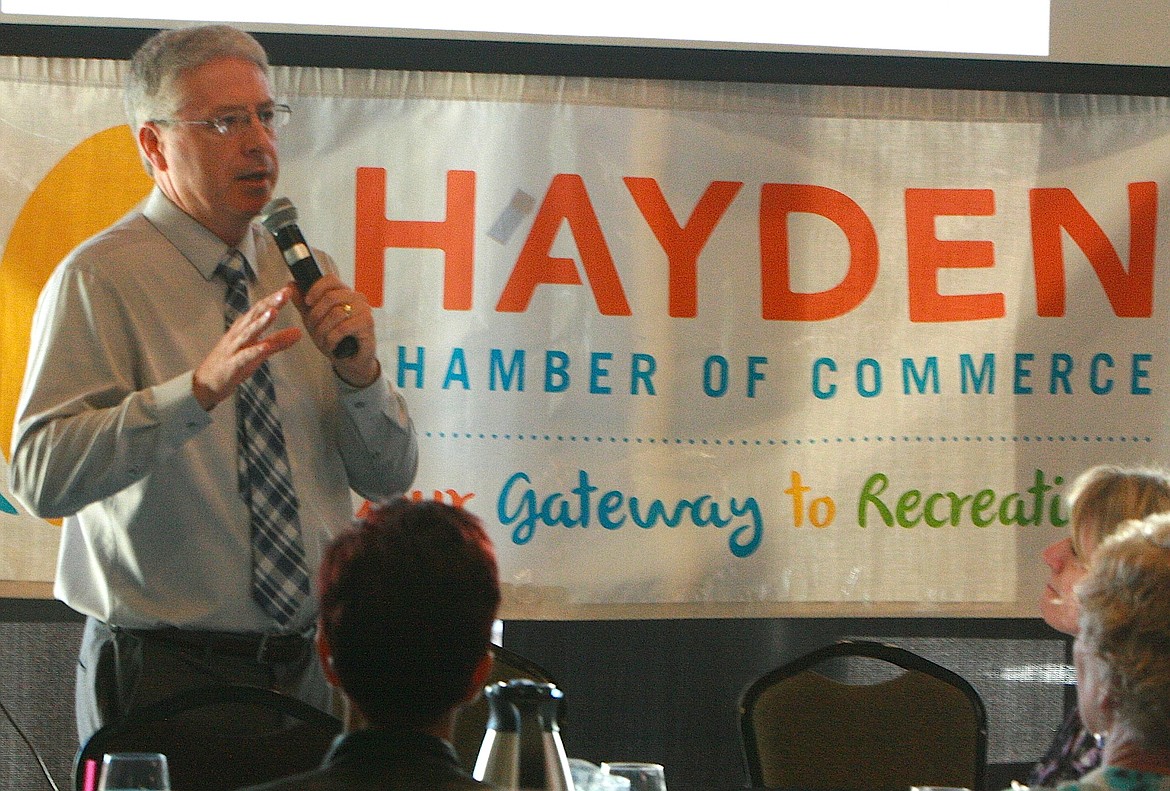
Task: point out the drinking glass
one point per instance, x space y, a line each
134 772
642 776
589 777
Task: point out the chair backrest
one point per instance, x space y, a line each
471 722
219 737
926 726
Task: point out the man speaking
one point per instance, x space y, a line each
199 449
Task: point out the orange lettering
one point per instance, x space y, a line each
682 244
458 499
455 236
566 200
926 254
1130 293
451 496
779 301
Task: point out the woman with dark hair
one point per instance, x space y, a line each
408 599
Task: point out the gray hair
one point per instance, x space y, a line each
1125 620
155 67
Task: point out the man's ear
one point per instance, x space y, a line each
479 676
150 144
325 653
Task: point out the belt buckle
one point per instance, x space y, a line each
274 649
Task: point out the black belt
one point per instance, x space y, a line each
264 649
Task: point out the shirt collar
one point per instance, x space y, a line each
197 244
386 742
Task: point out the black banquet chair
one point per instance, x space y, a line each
924 726
219 737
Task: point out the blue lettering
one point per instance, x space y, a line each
597 372
524 514
556 501
754 375
505 376
714 368
826 363
1062 365
1022 372
583 490
556 372
920 379
754 530
607 505
457 370
642 367
875 369
656 513
416 366
1095 379
1140 373
973 380
519 506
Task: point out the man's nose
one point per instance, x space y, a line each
257 136
257 129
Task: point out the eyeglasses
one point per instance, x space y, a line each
271 118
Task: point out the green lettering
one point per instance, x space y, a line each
984 501
1032 506
928 510
1038 490
874 485
1009 504
1054 515
906 503
957 503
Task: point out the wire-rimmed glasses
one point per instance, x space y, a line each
271 117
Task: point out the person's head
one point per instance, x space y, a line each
180 80
1100 499
1122 650
408 599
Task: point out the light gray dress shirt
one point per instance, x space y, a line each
108 433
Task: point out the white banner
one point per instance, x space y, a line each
699 349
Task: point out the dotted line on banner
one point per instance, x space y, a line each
594 439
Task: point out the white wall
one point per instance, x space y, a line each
1133 32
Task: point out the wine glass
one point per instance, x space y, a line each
642 776
134 772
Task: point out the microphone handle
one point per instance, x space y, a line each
306 272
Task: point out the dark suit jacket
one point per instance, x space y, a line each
378 759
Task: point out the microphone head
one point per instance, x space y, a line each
278 213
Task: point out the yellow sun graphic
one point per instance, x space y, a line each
90 188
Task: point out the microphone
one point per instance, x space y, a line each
279 216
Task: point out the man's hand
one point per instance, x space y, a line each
332 310
242 350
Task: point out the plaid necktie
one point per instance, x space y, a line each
280 579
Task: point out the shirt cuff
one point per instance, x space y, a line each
370 406
180 416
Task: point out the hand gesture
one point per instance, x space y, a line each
242 349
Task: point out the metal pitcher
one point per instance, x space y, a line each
522 746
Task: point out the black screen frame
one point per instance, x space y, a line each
624 62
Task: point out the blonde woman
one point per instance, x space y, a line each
1101 498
